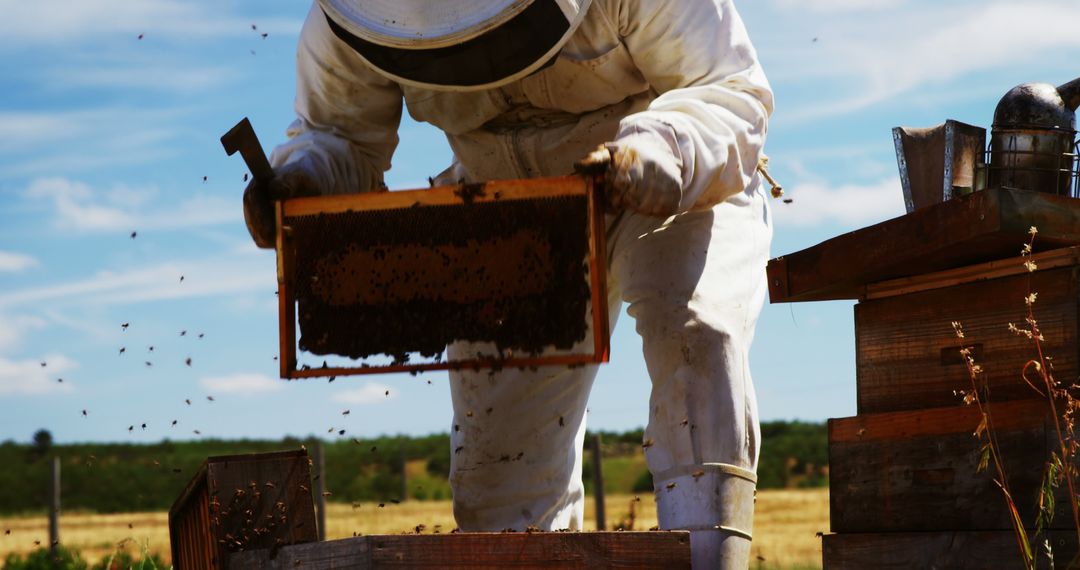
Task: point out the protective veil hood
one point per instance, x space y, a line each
455 45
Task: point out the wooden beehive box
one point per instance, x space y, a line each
907 353
521 550
242 502
919 470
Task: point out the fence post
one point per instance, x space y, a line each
320 488
598 483
54 511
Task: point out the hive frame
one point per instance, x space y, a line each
496 190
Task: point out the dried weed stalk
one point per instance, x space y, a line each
1060 467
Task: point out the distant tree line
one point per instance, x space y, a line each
113 477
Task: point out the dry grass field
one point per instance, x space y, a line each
785 527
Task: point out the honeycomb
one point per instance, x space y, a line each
412 280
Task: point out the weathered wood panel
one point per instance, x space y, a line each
918 470
983 226
241 502
480 550
908 355
939 551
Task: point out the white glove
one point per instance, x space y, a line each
642 175
292 180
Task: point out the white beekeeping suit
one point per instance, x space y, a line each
673 91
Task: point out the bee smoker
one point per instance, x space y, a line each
1033 143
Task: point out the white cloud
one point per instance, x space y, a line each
242 383
13 328
78 207
367 394
851 206
155 283
863 59
38 143
66 21
149 75
29 377
15 262
837 5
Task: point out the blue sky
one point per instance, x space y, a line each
103 134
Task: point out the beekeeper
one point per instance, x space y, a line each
670 94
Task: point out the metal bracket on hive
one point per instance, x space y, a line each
516 265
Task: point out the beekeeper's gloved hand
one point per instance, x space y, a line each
642 173
296 179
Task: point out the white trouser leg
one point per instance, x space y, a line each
516 443
695 286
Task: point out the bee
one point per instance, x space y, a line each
341 432
196 432
489 410
122 349
43 364
184 332
156 463
562 422
788 200
332 378
395 501
685 422
264 34
181 278
345 413
469 414
382 505
303 487
133 234
647 443
245 177
173 423
7 531
270 484
149 364
458 449
124 326
210 398
187 401
457 427
131 525
144 426
201 335
204 178
37 543
150 348
698 474
84 413
131 429
187 361
140 37
176 470
387 394
60 380
671 485
373 449
326 493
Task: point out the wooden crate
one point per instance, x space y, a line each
242 502
938 550
918 470
668 550
908 354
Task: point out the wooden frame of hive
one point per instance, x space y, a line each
587 187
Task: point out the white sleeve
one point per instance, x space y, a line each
714 98
348 114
